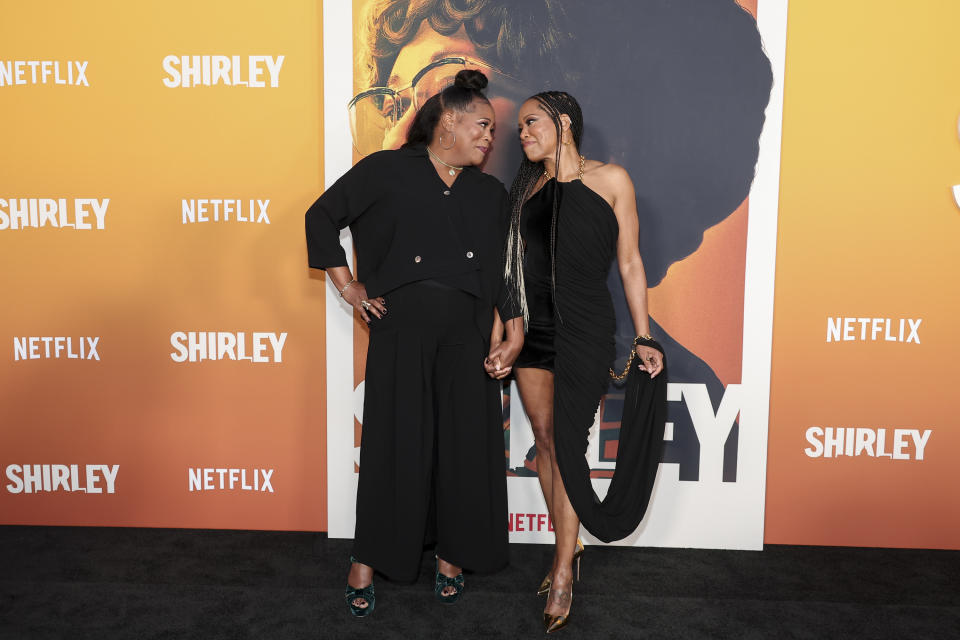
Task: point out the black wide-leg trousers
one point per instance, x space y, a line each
432 447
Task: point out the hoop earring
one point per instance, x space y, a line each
443 146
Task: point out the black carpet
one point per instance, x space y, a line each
162 583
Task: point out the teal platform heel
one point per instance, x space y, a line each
442 582
366 594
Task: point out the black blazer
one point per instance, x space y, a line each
407 225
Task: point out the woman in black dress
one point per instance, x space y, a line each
429 230
572 217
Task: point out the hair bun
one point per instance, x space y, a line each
470 79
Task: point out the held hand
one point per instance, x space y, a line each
651 360
499 362
356 297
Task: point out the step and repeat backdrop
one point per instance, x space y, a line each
864 434
163 346
173 362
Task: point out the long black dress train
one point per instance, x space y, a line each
571 332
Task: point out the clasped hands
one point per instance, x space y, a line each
499 362
506 341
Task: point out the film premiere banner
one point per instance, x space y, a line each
687 97
864 438
163 340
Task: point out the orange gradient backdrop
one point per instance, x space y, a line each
129 138
868 228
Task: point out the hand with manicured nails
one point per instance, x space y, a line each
651 360
356 295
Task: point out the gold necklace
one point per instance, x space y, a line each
453 169
546 174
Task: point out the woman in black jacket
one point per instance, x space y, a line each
429 230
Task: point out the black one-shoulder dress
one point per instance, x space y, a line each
571 332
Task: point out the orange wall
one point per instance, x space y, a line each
867 228
146 147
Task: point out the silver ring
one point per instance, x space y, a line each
364 304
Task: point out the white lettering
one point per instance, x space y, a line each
213 70
881 444
19 349
831 442
873 329
92 479
198 346
169 65
813 433
82 73
888 336
920 441
61 477
226 346
277 343
229 479
220 70
255 72
865 440
266 485
899 444
32 478
222 210
273 68
36 478
110 475
262 217
194 482
712 430
13 475
39 213
55 347
833 329
14 72
914 326
176 341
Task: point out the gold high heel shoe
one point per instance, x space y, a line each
547 581
553 623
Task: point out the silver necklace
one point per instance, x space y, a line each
453 169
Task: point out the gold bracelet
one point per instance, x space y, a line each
633 354
352 280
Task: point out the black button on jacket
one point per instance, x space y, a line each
408 225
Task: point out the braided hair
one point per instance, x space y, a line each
555 104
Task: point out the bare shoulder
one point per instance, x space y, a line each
610 173
608 179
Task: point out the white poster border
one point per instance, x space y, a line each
681 514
